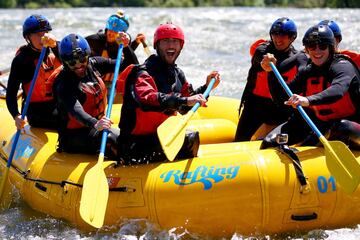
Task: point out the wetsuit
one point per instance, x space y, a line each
335 88
42 108
258 107
153 92
98 44
81 103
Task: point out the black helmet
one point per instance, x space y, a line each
285 26
319 34
334 27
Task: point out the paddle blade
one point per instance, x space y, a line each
94 196
343 165
171 134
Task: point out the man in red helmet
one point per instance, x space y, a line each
153 92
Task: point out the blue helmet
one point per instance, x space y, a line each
74 47
36 23
284 26
319 34
118 22
334 27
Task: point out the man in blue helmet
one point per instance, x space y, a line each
104 43
257 105
338 37
81 97
42 110
327 88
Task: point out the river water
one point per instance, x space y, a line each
216 39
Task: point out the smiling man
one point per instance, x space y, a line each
258 106
153 92
328 88
81 97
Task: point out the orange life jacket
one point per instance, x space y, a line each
95 102
262 85
145 122
342 108
353 55
43 86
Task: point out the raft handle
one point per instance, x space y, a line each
41 187
304 217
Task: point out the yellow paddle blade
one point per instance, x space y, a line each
171 134
342 164
94 196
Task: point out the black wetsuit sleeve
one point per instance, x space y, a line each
21 72
129 58
103 65
342 74
67 98
134 45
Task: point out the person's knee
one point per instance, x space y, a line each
347 132
191 145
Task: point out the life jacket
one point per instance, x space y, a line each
254 46
95 102
261 83
138 119
342 108
42 91
353 55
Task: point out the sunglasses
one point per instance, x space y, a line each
312 47
71 62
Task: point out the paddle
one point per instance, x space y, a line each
340 161
5 71
171 132
23 114
95 190
146 48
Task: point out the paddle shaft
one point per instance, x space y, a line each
111 98
146 48
23 114
299 107
205 94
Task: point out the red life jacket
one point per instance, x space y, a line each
342 108
43 86
353 55
262 85
95 102
141 122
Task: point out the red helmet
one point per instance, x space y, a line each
168 30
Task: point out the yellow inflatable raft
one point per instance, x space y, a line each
228 188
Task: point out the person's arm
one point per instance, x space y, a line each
103 65
341 73
67 96
148 96
278 94
19 73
